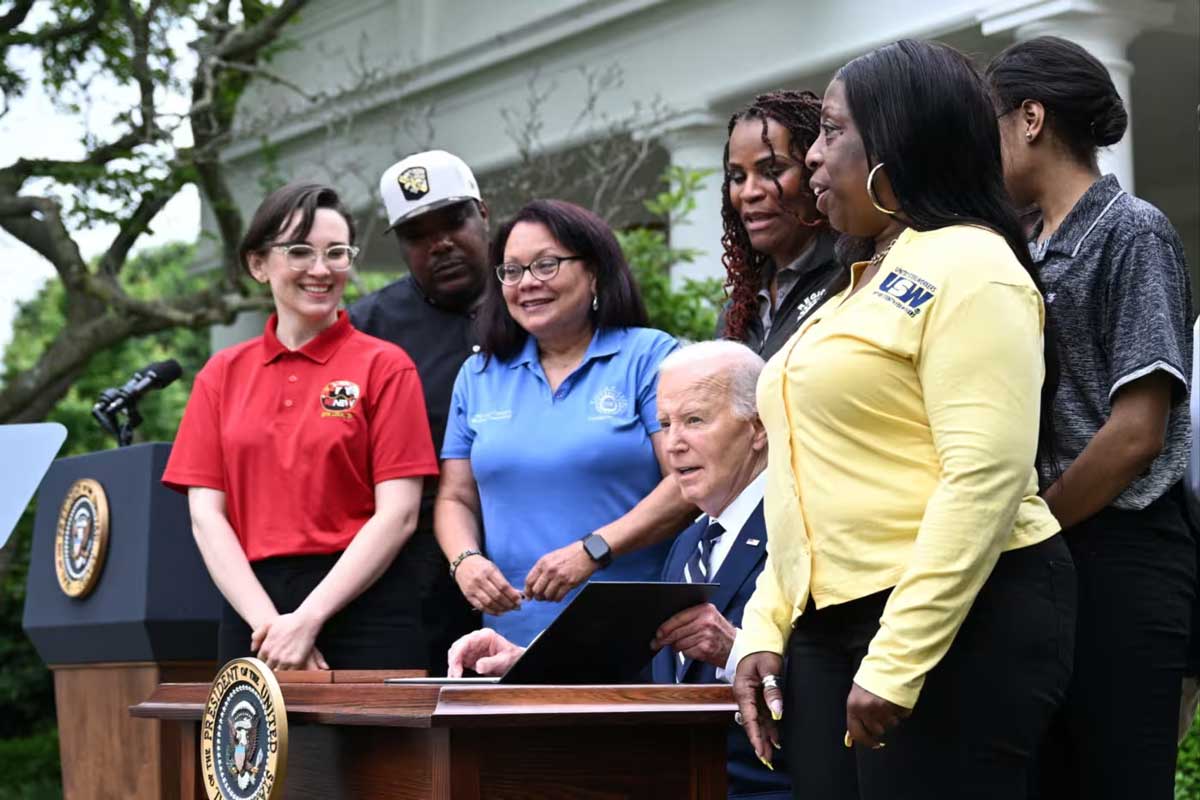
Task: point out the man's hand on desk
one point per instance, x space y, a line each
484 651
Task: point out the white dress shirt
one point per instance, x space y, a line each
733 519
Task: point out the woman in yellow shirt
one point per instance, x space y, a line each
915 580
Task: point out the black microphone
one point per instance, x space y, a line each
155 376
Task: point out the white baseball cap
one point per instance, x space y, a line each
424 182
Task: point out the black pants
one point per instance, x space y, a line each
445 613
1115 735
983 708
379 629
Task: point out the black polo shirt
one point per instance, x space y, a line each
1119 296
802 287
437 340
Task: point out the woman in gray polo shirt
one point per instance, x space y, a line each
1118 295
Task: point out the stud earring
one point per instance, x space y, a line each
595 303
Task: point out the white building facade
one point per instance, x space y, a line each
459 74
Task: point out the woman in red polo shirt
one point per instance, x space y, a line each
302 453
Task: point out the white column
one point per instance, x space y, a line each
1102 27
697 141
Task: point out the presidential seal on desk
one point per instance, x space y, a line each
82 538
244 734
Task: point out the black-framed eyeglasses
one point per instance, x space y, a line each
303 257
543 269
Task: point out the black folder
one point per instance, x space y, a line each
603 635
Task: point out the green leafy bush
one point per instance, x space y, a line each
29 766
688 311
1187 767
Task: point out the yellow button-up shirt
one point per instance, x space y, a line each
902 423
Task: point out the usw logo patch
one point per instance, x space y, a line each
906 291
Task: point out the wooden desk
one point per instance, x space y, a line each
481 742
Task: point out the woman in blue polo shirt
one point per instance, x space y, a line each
553 464
1118 294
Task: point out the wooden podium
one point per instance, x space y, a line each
352 736
146 613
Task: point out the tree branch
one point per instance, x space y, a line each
15 16
89 25
50 167
137 224
37 222
245 45
139 28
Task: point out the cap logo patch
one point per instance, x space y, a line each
338 398
414 182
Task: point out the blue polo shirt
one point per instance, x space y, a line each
553 466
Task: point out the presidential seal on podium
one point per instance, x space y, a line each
244 734
82 538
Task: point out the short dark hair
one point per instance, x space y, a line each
1082 105
274 212
926 113
585 235
800 114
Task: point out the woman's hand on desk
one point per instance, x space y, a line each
558 572
485 587
287 641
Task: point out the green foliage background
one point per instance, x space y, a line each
28 745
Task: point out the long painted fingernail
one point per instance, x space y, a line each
846 740
777 745
776 707
766 763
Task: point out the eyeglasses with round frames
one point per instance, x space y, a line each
543 269
303 257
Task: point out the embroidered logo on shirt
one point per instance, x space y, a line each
338 399
809 303
491 416
906 291
609 402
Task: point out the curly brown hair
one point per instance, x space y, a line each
800 114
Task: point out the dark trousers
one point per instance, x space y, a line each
379 629
1115 735
981 713
445 613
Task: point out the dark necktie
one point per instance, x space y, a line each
697 570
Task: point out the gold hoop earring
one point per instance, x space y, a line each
871 191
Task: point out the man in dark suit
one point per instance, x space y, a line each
716 448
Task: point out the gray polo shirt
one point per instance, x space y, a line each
1119 296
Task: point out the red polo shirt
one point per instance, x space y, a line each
297 439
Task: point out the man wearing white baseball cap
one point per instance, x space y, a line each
441 223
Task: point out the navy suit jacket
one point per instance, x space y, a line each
737 575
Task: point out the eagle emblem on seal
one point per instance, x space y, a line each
244 756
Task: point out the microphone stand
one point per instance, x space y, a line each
111 422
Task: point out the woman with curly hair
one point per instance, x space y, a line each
779 256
